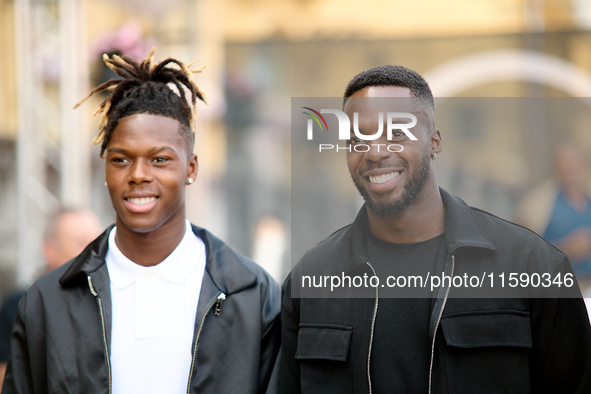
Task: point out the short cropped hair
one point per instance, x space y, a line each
391 75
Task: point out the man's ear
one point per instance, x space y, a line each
192 167
436 141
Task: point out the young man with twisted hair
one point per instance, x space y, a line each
370 339
154 304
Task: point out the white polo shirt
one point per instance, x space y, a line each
153 317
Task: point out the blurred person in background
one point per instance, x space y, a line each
66 235
560 210
155 304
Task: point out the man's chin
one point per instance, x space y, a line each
383 203
137 225
385 210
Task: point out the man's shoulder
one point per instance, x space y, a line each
506 231
230 264
46 293
335 247
48 283
508 236
337 239
263 277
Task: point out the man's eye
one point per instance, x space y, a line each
160 160
396 134
355 141
120 160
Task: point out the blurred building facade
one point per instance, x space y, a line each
258 55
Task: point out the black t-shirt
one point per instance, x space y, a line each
401 350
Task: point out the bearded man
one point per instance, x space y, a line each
361 339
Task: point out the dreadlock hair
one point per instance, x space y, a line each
390 75
144 88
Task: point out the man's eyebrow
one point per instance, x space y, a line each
117 150
402 119
162 148
151 151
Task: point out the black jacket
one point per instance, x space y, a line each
61 338
479 345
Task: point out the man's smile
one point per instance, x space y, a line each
382 179
379 179
141 204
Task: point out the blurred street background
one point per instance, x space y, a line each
259 54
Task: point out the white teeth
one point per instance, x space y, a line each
383 178
141 201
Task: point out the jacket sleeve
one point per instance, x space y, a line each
18 378
289 381
271 339
560 360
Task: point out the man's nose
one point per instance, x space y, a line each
378 150
140 172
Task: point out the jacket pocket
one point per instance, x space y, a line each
487 351
323 342
323 351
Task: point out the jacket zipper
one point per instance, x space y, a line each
218 304
218 308
373 322
100 305
437 323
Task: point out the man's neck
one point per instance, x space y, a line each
149 249
422 220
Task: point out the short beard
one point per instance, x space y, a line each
412 188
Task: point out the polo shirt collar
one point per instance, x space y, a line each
174 268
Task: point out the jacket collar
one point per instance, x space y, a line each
91 258
461 229
224 265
